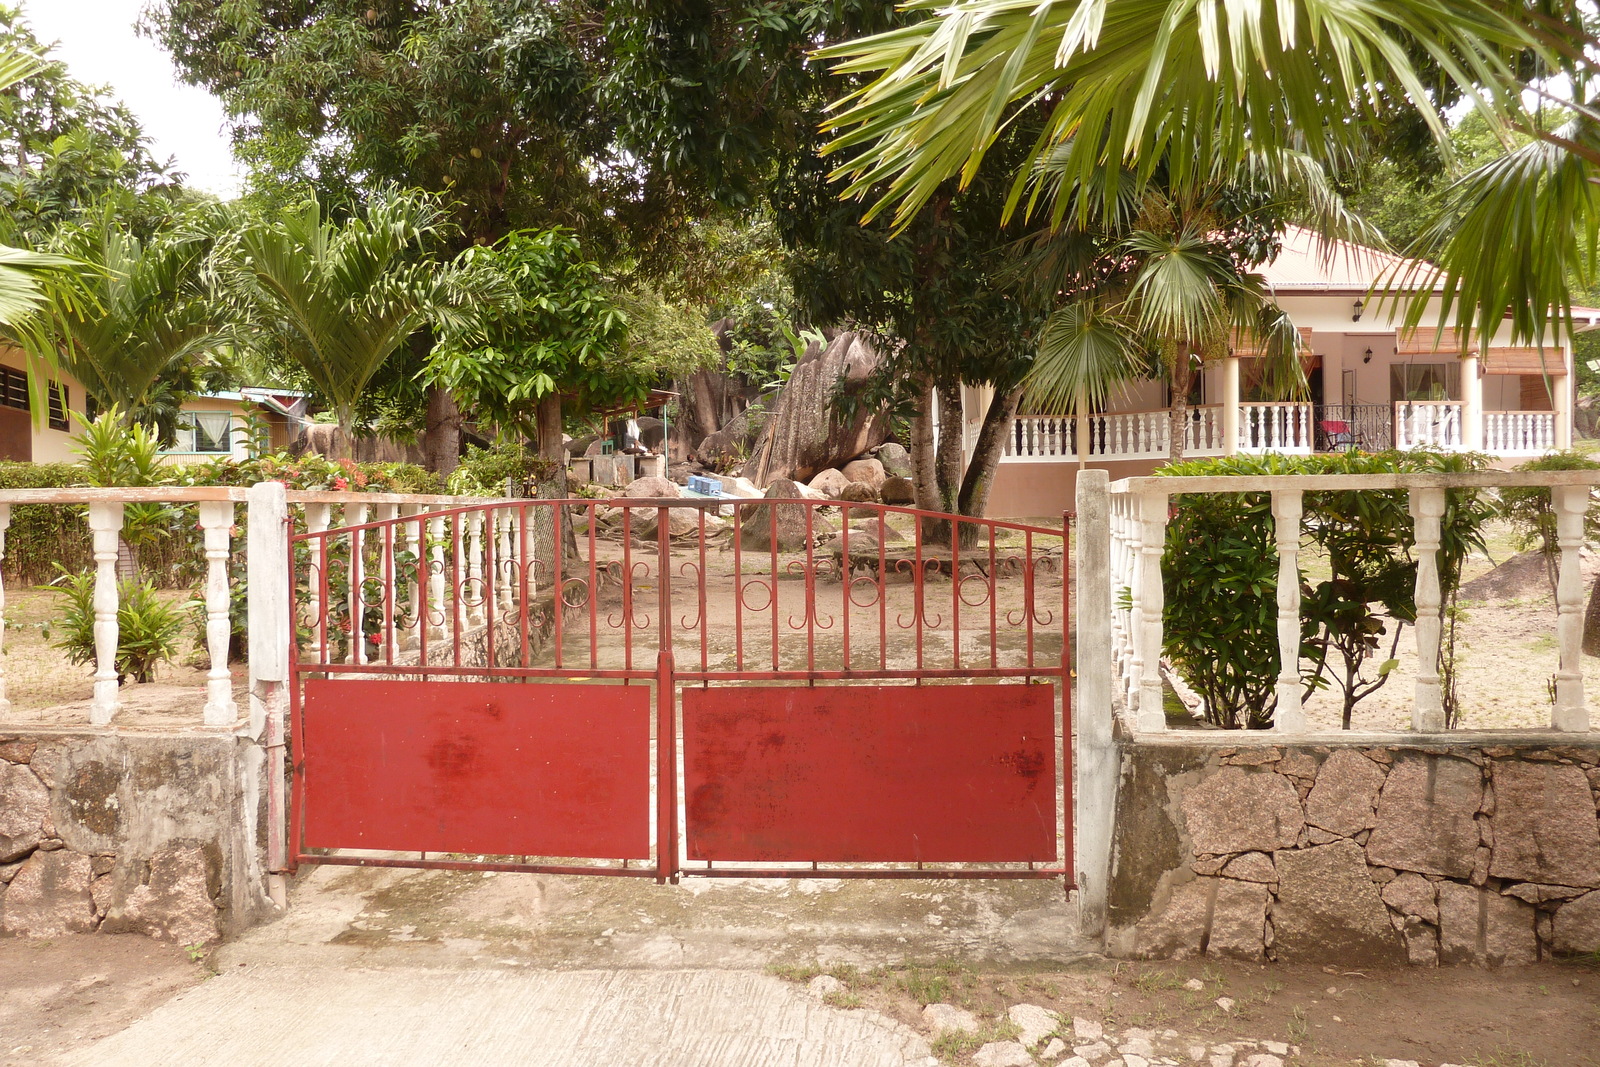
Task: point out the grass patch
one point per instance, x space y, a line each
954 1043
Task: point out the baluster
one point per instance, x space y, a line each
1569 712
1427 508
316 522
436 582
1134 653
105 524
1118 581
5 521
355 515
1286 511
216 524
505 562
1305 427
1152 546
476 608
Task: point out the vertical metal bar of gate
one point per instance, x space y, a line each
666 694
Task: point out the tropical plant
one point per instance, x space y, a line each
148 627
1176 84
1166 277
115 453
341 298
146 325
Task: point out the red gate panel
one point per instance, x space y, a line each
502 769
943 774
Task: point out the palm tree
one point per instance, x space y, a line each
1165 278
144 315
341 297
1196 90
28 279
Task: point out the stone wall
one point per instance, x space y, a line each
129 833
1357 850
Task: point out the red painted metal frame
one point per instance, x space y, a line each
430 605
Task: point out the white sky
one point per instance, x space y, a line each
99 47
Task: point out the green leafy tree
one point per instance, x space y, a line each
65 146
489 104
550 349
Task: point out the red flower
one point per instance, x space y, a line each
341 484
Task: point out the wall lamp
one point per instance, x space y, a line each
1366 357
1358 306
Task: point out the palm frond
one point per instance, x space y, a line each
1085 353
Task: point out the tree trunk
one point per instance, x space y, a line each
950 458
1178 428
551 485
986 452
923 468
441 436
1591 623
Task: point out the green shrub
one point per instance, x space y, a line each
1220 580
485 471
1531 514
148 628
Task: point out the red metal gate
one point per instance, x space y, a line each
866 691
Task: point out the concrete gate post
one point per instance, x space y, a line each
1099 765
267 593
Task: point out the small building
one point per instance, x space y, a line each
211 425
1373 385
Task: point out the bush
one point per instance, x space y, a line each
485 471
1530 511
1220 580
147 627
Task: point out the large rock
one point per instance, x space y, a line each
804 434
1236 810
899 492
757 521
1544 824
49 896
1426 817
831 483
1344 799
681 522
175 905
1238 921
1178 931
941 1018
1576 928
1033 1023
1002 1054
866 471
895 459
858 493
1481 926
24 808
1413 895
1328 908
652 488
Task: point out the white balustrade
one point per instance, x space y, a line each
1428 424
1519 433
1275 427
1041 437
1136 511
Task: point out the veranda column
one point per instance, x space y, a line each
1427 508
105 523
216 523
1471 405
1230 406
1563 404
1570 503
